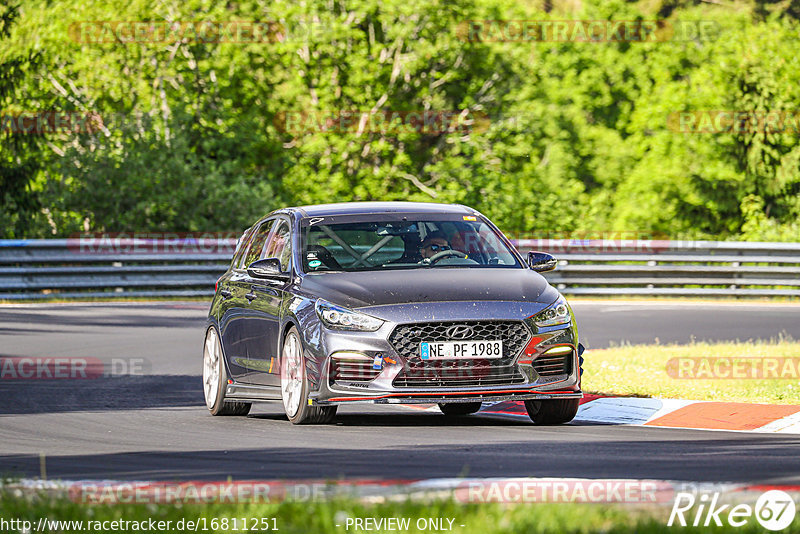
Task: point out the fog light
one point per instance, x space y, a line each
555 351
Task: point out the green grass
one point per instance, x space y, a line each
322 517
641 371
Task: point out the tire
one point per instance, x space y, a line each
552 412
294 385
459 408
215 377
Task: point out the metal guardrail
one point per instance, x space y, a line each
678 268
188 267
115 267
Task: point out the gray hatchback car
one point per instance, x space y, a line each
390 303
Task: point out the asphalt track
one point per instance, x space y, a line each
155 426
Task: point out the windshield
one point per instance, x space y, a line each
372 243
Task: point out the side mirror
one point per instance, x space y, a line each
541 261
267 268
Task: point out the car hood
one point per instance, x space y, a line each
380 288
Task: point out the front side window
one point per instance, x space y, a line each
257 242
279 245
241 247
377 242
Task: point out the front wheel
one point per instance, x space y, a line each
459 408
294 385
215 377
552 411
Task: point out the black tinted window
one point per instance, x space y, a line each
377 244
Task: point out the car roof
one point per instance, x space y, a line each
360 208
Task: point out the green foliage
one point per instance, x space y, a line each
568 137
19 155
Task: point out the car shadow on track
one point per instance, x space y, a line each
400 418
130 392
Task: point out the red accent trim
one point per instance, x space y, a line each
463 394
530 349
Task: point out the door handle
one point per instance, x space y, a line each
250 296
225 293
263 289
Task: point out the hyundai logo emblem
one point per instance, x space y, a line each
459 331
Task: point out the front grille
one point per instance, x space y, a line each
406 337
454 373
553 365
352 369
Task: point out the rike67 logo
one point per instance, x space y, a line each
774 510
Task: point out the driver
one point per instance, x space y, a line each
433 244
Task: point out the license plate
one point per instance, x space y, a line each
454 350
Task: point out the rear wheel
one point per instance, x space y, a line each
294 385
552 411
215 377
459 408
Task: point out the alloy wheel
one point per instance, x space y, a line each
292 374
211 354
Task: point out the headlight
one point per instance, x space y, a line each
557 313
334 316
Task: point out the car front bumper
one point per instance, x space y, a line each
533 379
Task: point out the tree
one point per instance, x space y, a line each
20 153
